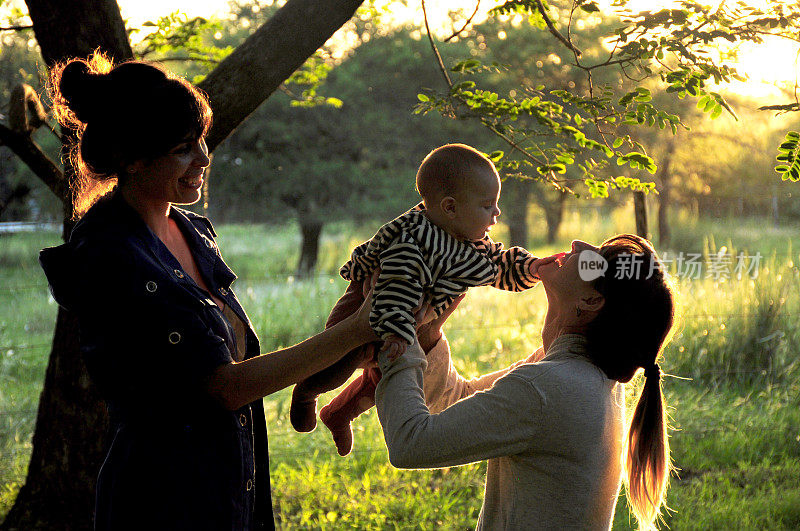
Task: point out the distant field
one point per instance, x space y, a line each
735 408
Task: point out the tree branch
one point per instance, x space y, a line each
259 65
554 31
16 28
456 33
32 155
434 48
186 58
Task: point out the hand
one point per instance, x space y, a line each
429 331
361 319
394 347
541 262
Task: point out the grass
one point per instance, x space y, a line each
735 410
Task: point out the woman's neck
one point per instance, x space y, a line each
557 324
155 214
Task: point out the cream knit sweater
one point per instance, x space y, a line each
551 430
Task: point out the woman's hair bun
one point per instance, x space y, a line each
83 90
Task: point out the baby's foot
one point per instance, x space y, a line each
342 432
303 411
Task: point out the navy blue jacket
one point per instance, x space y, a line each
151 337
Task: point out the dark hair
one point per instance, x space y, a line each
629 332
446 170
120 114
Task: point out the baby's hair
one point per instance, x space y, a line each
120 114
446 170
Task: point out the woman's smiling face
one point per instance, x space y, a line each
176 177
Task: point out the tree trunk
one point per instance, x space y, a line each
554 215
515 210
665 195
69 437
640 211
309 247
68 443
553 209
71 423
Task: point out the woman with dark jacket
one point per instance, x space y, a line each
164 336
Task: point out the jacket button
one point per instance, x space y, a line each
151 286
174 338
249 485
223 291
243 419
209 244
179 273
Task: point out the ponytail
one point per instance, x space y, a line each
638 312
646 458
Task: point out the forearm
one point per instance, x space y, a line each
483 426
444 386
237 384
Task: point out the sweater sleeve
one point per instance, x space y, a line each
513 267
444 386
502 420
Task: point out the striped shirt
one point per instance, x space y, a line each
421 262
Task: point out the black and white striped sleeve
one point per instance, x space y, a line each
399 290
513 267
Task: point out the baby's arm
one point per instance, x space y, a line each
513 267
398 292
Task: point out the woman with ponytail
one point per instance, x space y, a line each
552 426
164 337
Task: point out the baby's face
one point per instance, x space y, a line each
476 206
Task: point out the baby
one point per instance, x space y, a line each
431 254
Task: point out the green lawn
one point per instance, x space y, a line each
735 409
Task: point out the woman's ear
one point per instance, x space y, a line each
448 206
134 167
592 301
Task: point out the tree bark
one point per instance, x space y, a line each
665 195
554 215
309 247
26 149
71 423
553 210
640 212
69 437
76 29
515 210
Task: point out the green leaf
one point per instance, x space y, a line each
495 156
463 85
618 142
423 98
